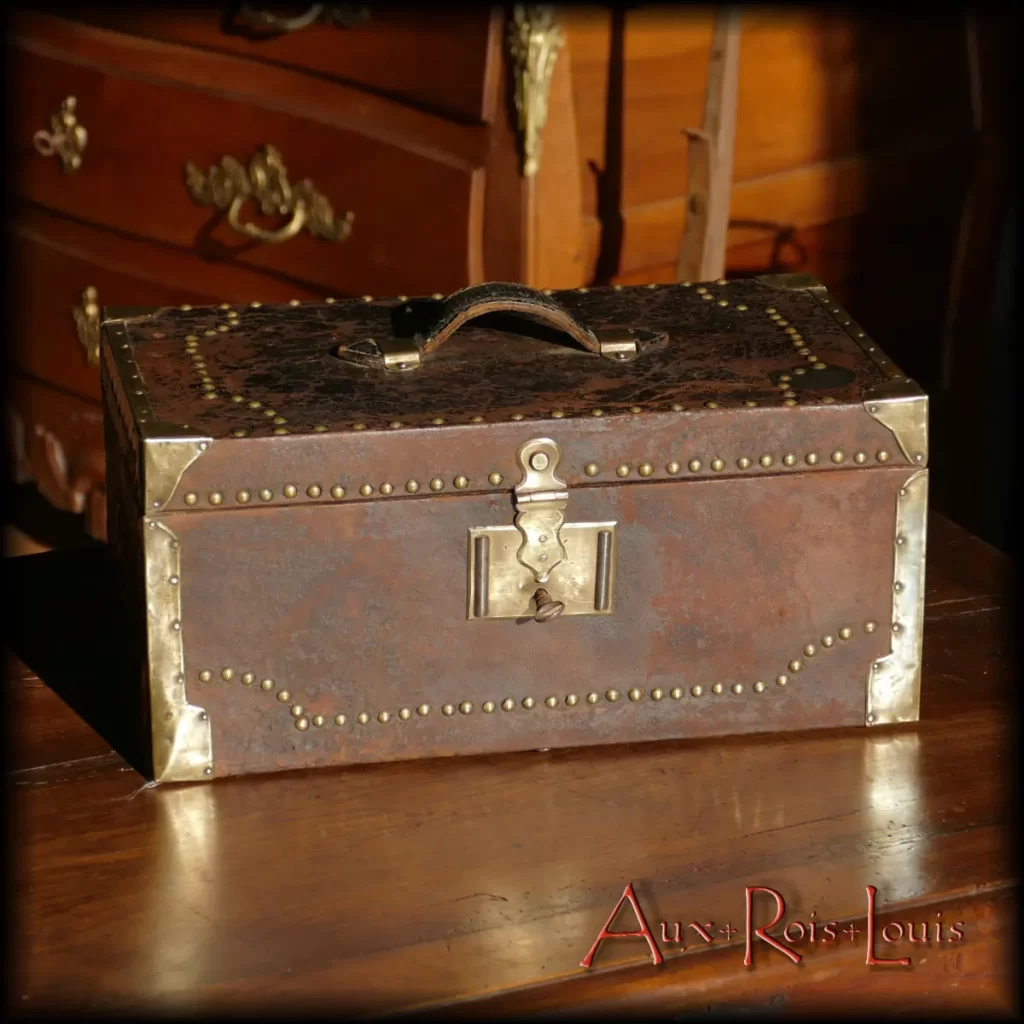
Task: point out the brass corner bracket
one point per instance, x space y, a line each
534 41
894 681
901 406
181 733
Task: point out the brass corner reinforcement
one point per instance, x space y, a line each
894 681
181 733
902 406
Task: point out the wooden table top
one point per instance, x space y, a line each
480 884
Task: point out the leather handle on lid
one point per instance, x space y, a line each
500 297
406 349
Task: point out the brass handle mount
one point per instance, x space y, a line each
66 137
229 185
87 320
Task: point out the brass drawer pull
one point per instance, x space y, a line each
66 137
342 15
87 320
228 185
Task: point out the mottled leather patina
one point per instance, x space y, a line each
314 509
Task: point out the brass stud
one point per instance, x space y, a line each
205 676
723 302
582 291
284 696
799 371
302 724
192 337
369 298
209 395
248 678
845 633
384 717
829 400
766 460
557 414
494 479
476 419
869 627
707 296
528 702
645 469
572 700
423 710
412 486
795 665
290 490
759 687
340 719
818 366
635 409
635 694
811 459
266 684
677 407
597 412
508 704
293 302
437 484
781 680
238 432
210 333
395 424
612 696
743 462
882 456
591 469
358 426
622 470
448 710
697 691
313 491
488 706
673 468
737 688
742 308
710 405
319 428
652 285
461 482
366 490
718 688
269 413
838 456
281 430
593 698
789 459
437 421
860 458
319 721
191 498
386 489
337 491
769 309
676 692
466 707
810 650
297 710
216 498
175 580
827 640
717 465
790 402
551 702
701 290
243 497
781 322
255 305
695 465
362 718
516 416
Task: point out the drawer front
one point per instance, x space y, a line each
416 217
414 55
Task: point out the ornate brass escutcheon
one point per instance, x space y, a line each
541 567
87 320
229 184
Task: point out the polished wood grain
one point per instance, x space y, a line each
480 884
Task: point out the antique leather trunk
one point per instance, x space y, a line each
376 529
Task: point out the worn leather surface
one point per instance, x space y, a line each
284 358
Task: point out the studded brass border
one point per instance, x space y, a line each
894 681
303 718
182 740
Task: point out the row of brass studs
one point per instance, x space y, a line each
337 491
495 479
467 707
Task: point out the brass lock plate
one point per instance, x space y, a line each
501 587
